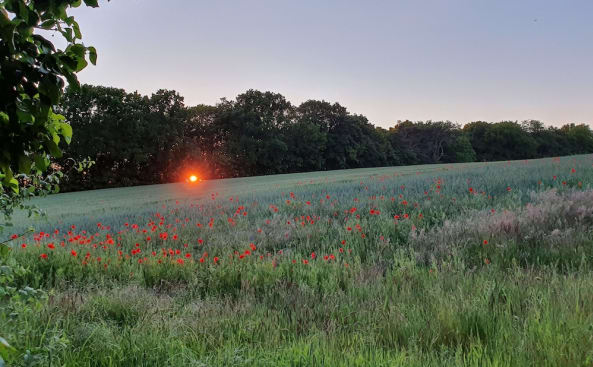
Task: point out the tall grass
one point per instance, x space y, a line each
492 266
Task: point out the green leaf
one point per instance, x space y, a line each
91 3
48 24
53 148
41 162
76 29
12 183
50 89
82 63
76 49
46 46
68 34
4 119
24 164
7 28
24 116
72 80
92 55
66 131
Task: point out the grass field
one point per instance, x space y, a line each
482 264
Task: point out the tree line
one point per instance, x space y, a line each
135 139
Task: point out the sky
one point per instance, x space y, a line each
390 60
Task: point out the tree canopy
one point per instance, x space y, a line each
137 139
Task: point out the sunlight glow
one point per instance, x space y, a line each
193 178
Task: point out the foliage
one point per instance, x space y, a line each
31 84
157 139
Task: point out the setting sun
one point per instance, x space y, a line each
193 178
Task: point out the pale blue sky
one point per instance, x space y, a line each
388 60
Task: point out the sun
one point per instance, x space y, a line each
193 178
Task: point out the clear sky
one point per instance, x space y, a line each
388 60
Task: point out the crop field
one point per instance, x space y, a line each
479 264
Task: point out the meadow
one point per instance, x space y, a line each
478 264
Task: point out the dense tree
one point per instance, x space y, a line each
127 135
138 139
423 142
251 127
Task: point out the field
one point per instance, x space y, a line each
481 264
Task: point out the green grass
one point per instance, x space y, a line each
501 275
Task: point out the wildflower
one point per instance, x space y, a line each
24 245
73 253
253 248
188 255
215 259
51 246
486 261
43 256
14 236
485 242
